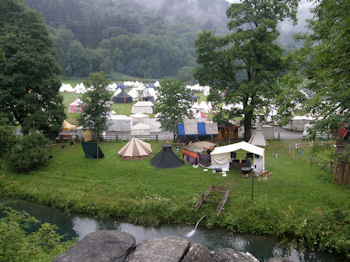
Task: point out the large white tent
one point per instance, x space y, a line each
66 88
221 156
120 123
144 107
80 89
140 129
139 118
203 107
133 93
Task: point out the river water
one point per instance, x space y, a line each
265 248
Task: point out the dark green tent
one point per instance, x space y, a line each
90 150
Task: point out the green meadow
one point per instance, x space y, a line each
294 203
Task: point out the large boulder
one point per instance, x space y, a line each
100 246
167 249
197 253
229 255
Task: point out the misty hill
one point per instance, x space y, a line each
141 38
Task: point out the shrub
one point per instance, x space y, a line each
29 152
7 138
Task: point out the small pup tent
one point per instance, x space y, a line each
92 150
258 138
122 98
135 149
76 106
142 107
166 158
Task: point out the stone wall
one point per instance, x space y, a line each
111 245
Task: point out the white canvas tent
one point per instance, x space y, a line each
154 124
133 93
203 107
138 118
140 129
66 88
135 149
258 138
144 107
120 123
221 156
80 89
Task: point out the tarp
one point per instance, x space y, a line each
90 150
140 129
200 146
122 98
135 149
166 158
142 107
201 129
197 127
120 123
87 135
191 127
220 159
68 126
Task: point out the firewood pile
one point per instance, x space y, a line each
264 175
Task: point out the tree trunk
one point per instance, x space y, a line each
247 126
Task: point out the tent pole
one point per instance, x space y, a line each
97 151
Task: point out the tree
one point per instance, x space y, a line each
29 77
96 109
243 65
319 81
173 104
2 55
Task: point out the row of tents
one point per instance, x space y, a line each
215 158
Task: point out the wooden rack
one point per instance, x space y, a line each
225 191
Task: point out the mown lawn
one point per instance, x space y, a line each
295 202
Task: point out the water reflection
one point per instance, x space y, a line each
265 248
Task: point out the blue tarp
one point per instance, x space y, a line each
181 129
201 129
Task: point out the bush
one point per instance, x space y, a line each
29 152
16 244
7 138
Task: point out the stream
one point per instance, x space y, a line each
265 248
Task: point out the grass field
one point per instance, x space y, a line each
295 202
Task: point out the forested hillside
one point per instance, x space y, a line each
140 38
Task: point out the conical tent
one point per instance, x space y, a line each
166 158
122 98
258 138
68 126
135 149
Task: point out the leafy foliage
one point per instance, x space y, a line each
319 81
7 139
96 108
173 103
29 77
244 65
16 244
29 152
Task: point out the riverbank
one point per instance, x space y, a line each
295 202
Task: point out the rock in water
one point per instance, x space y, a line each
167 249
197 253
102 246
229 255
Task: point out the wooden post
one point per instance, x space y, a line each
97 151
289 149
319 160
157 138
293 152
116 137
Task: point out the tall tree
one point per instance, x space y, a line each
173 104
29 77
243 65
96 109
319 78
2 55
